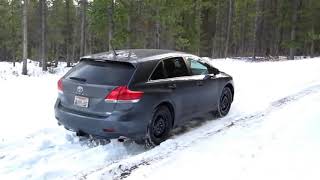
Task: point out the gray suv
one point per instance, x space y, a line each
140 94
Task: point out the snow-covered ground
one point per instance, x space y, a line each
8 71
271 132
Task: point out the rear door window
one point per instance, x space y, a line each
102 73
175 67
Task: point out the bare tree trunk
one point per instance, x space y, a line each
89 49
129 6
157 29
110 24
242 33
294 28
25 37
257 28
276 30
313 22
274 27
198 20
43 35
75 46
69 30
228 29
14 59
215 36
73 53
213 45
312 42
279 35
56 61
13 37
83 27
38 31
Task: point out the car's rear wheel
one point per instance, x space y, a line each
160 126
225 102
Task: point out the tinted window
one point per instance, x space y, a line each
102 73
196 67
175 67
158 72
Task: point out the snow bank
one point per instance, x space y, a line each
7 70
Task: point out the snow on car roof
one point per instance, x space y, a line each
134 55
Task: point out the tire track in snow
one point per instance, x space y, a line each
43 147
121 169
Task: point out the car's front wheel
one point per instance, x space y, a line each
160 126
225 102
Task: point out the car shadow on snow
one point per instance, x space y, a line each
194 123
117 151
187 127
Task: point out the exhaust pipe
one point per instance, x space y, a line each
80 133
122 139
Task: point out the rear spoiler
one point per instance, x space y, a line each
132 63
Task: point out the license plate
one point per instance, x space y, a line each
81 101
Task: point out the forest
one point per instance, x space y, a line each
64 30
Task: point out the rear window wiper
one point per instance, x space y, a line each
78 79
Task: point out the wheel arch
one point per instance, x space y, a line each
171 109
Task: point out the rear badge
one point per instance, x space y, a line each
79 89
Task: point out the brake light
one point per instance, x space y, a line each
60 86
108 130
123 94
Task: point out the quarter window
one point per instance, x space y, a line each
196 67
158 72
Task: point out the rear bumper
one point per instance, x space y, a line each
129 124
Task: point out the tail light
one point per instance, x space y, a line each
123 94
60 86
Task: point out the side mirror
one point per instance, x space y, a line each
208 76
214 71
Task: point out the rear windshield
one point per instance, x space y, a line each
101 73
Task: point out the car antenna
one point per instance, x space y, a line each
129 55
114 51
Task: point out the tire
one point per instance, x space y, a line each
225 101
159 128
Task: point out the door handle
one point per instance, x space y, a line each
199 83
172 86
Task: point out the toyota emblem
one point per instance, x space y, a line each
79 89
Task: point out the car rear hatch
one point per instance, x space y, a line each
86 86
